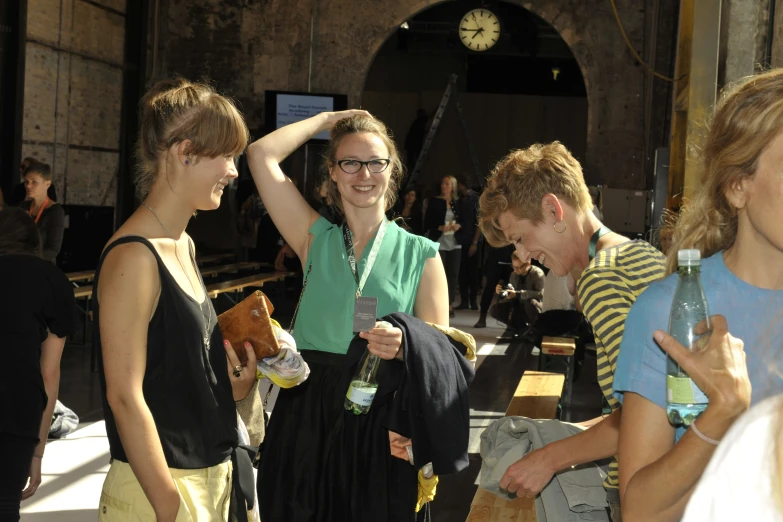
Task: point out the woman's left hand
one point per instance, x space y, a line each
398 445
384 342
241 376
455 227
35 479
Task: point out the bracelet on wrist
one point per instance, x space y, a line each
703 436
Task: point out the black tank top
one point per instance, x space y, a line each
186 385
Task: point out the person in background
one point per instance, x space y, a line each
324 204
168 379
733 219
469 272
537 200
496 268
49 215
38 312
598 202
401 270
443 223
19 193
520 303
409 209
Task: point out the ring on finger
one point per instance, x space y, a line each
237 370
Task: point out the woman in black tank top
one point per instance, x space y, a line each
168 396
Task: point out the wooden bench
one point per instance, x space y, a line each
536 397
86 275
237 285
551 349
214 258
82 292
233 268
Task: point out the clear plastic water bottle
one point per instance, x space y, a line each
684 400
361 391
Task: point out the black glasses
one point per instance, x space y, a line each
352 166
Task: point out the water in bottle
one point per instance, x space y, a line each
361 391
684 400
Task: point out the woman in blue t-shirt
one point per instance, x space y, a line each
734 220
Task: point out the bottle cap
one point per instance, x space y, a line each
688 257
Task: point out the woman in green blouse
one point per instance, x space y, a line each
367 256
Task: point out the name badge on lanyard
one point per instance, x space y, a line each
365 309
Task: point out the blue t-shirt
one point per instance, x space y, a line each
752 314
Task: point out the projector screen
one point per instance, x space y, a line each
284 108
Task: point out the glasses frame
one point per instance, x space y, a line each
364 164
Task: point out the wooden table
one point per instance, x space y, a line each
536 397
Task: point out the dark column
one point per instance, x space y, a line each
133 87
13 30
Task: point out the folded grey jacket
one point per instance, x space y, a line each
575 495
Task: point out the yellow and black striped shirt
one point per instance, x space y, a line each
608 287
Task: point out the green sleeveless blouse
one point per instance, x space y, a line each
325 320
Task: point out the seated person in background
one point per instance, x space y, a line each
19 194
48 215
519 306
733 219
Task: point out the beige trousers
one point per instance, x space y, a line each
204 495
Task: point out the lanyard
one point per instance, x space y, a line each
40 210
601 232
348 239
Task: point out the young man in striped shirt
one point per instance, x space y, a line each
537 200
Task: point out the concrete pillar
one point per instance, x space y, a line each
744 38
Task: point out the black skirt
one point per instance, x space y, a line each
321 463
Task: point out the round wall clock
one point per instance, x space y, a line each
479 30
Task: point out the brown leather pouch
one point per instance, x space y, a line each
249 321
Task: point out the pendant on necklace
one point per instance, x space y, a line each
206 342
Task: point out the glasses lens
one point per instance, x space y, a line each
350 166
378 166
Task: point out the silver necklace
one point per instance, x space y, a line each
206 316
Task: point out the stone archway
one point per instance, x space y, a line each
615 134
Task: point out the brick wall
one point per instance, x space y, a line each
73 94
248 47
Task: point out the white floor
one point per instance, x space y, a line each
74 468
72 474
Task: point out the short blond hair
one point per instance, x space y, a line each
520 181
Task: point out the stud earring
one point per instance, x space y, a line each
187 162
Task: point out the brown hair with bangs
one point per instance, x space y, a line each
176 110
354 125
519 182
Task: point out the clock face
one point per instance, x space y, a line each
479 30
